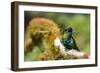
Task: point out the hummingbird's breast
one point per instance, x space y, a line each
68 43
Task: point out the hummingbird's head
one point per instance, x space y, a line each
69 32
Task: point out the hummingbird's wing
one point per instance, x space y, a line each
75 45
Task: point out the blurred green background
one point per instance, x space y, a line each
78 21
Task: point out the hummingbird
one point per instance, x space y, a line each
68 40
